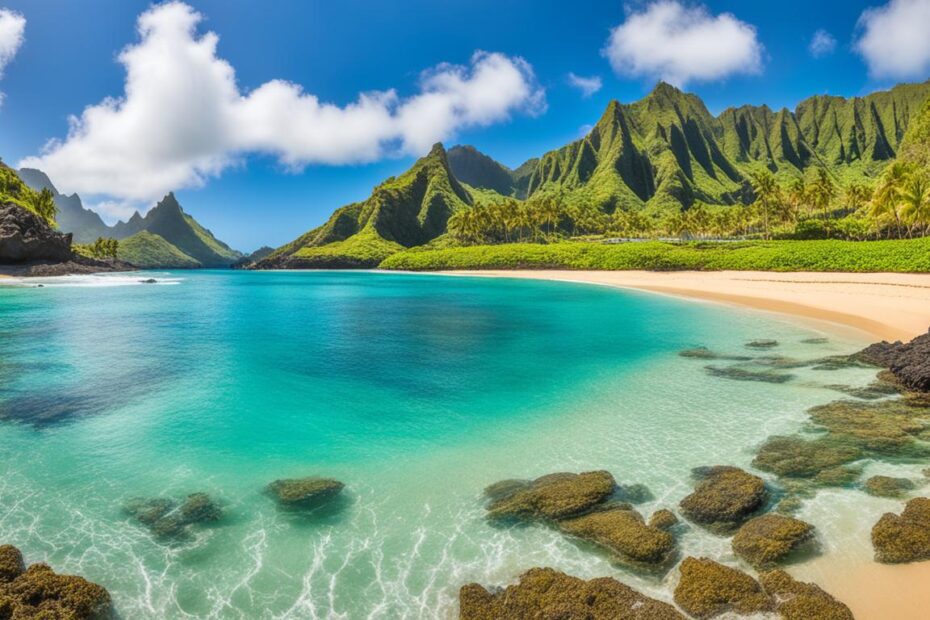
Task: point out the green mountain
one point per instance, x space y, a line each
474 168
402 212
151 251
85 225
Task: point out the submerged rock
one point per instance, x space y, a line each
703 353
815 341
725 497
545 593
884 427
737 373
769 539
551 497
633 493
199 508
39 592
909 362
707 589
762 344
168 520
905 537
625 534
797 457
149 281
148 511
802 601
304 493
887 486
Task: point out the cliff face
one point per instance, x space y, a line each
25 236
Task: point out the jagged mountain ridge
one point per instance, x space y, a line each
85 225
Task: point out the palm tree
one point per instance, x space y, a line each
768 195
885 202
915 202
798 196
823 191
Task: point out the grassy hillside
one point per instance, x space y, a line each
12 189
149 251
910 255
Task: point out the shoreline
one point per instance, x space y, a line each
884 306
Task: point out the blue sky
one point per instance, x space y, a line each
266 186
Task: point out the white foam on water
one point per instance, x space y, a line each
96 280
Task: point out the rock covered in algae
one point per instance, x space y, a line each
738 373
762 344
625 534
304 493
703 353
906 537
767 540
552 497
167 519
909 362
724 497
802 601
887 486
797 457
888 427
663 519
544 593
39 592
707 589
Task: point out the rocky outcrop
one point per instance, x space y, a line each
547 593
909 362
24 236
887 486
167 519
802 601
906 537
39 592
707 589
767 540
624 533
304 493
724 497
551 497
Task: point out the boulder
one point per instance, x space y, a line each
24 236
887 486
304 493
802 601
554 497
545 593
707 589
905 537
199 508
797 457
39 592
724 497
909 362
663 519
148 511
767 540
166 519
11 563
625 534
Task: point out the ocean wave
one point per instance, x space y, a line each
95 280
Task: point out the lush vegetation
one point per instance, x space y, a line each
13 190
148 251
907 255
102 248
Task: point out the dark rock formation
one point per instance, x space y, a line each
551 497
544 593
625 534
767 540
909 362
707 589
39 592
797 457
887 486
703 353
762 344
304 493
738 373
724 497
24 236
168 520
802 601
905 537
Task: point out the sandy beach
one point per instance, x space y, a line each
878 306
885 306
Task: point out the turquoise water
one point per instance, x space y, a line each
415 390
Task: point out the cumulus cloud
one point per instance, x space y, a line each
12 27
587 85
893 39
183 118
822 44
680 43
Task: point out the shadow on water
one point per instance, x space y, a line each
333 512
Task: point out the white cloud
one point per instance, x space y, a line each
893 39
822 44
183 119
587 85
12 27
680 43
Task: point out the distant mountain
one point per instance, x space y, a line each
192 245
474 168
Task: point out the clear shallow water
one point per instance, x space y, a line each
417 391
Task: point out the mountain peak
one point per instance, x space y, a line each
36 179
664 89
168 203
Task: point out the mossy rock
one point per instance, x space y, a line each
887 486
663 519
797 457
738 373
837 476
815 341
544 593
906 537
504 488
703 353
724 498
39 592
11 563
769 539
199 508
802 601
168 520
304 493
555 496
633 493
625 534
707 589
884 427
147 511
762 344
789 505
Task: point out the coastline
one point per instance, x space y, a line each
883 306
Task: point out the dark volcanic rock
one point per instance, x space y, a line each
909 362
802 601
724 498
552 497
304 493
24 236
764 541
624 533
707 589
905 537
544 593
38 592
